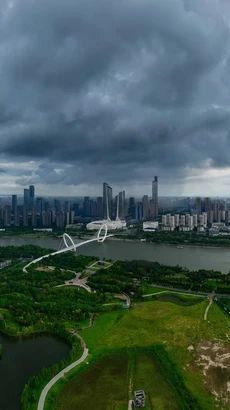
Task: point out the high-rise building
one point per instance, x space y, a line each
139 212
72 213
132 207
31 195
207 204
57 205
7 215
155 195
198 206
67 206
25 215
145 202
107 201
60 220
14 204
86 206
26 196
122 207
34 216
17 216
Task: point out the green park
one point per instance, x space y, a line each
172 341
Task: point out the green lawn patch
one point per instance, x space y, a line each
182 300
101 386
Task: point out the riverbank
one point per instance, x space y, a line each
188 245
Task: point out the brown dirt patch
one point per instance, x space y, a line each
214 359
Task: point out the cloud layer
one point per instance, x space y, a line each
94 90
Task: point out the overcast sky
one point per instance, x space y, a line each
95 90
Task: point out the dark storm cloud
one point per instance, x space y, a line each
118 89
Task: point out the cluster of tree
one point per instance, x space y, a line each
129 276
176 237
32 297
24 251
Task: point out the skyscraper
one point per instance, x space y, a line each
25 215
121 209
14 204
155 195
31 195
26 196
7 215
107 201
145 202
132 207
198 206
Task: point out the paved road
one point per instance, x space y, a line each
59 376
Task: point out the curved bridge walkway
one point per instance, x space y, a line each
72 247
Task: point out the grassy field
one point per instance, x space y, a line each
102 386
176 326
177 323
160 394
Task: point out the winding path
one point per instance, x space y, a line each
208 307
59 376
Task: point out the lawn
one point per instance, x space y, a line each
102 386
174 325
167 379
160 394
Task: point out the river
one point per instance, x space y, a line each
192 257
23 358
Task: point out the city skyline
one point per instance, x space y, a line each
153 100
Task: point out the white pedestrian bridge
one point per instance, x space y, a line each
100 236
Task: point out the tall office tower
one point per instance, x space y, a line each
132 207
86 206
100 206
67 218
57 205
67 207
34 216
7 214
198 206
139 212
14 204
93 208
210 216
53 216
46 206
2 214
107 201
122 205
25 215
155 195
17 216
26 196
31 195
145 202
72 213
60 219
227 217
207 204
164 220
46 219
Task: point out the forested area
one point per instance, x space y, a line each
130 276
